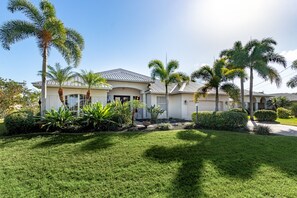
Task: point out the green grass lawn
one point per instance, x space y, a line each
181 163
290 121
2 127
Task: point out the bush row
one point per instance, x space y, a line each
227 120
265 115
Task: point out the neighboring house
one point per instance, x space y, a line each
260 100
126 85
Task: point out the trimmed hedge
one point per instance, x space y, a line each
294 109
283 113
227 120
265 115
19 122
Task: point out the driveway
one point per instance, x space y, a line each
276 128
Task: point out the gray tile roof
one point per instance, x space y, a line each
125 75
289 96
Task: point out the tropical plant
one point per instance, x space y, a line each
98 116
262 130
155 111
134 105
91 80
292 83
280 101
261 54
120 112
294 109
49 32
238 58
283 113
58 119
60 75
167 75
216 77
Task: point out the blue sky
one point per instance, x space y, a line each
128 34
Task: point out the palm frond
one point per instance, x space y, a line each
294 64
274 76
205 73
277 58
292 83
16 30
74 36
28 9
47 9
172 66
232 90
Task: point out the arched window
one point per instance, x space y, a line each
75 102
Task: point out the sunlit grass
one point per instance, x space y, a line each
157 164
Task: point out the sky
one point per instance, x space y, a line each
128 34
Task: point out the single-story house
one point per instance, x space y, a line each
290 96
126 85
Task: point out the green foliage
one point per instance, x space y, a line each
155 111
60 119
280 101
98 116
262 130
19 122
164 126
294 109
228 120
265 115
121 112
283 113
240 110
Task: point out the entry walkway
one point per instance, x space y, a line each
276 128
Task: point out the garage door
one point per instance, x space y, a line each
203 106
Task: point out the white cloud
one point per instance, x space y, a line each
290 55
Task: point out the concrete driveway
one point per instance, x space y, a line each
276 128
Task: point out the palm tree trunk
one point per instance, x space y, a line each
242 93
167 101
43 83
251 94
217 99
88 97
61 95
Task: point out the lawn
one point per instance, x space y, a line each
2 127
181 163
290 121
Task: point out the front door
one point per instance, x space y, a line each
121 98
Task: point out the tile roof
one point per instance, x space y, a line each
125 75
289 96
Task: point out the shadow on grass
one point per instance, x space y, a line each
234 155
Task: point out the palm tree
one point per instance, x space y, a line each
167 75
292 83
261 53
238 58
90 79
60 75
216 77
49 32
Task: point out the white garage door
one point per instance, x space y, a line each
203 106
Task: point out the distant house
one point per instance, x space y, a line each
290 96
126 85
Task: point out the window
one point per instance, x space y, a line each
75 102
161 101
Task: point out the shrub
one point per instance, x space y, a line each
19 122
239 110
262 130
60 119
98 117
294 109
227 120
121 113
265 115
283 113
155 111
164 126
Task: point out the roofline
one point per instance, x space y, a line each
35 84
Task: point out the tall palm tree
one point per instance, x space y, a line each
60 75
90 79
49 32
292 83
238 58
216 77
261 53
167 75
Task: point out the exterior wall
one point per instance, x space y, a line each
132 85
123 92
53 100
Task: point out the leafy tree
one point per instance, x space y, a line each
238 58
261 54
167 75
49 32
216 77
91 80
60 75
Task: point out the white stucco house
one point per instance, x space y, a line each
127 85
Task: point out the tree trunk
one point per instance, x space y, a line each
61 95
43 83
242 93
88 97
251 94
217 99
167 100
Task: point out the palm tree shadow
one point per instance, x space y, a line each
238 159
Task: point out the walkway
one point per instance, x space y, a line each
276 128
